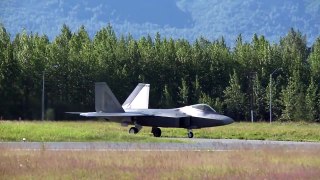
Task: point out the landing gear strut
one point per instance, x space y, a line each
190 133
156 131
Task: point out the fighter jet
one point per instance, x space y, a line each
134 111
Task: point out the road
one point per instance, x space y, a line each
195 144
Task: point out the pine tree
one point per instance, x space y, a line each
183 93
10 79
287 98
314 60
234 98
294 55
258 98
196 91
276 102
311 102
166 100
293 99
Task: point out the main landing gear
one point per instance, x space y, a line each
156 131
135 130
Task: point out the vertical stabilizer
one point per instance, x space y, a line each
139 98
105 101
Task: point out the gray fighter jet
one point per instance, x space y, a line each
134 111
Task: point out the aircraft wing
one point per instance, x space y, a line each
102 114
129 114
170 113
74 113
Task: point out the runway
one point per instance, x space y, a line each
194 144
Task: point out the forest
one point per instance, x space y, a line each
233 80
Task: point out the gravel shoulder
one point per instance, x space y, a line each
195 144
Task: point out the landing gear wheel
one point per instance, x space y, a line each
133 130
190 134
156 132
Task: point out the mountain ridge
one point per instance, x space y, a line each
190 19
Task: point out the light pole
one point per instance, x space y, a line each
270 90
252 76
43 91
42 100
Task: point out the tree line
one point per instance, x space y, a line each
233 80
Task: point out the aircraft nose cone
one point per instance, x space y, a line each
227 120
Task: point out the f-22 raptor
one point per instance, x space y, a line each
134 111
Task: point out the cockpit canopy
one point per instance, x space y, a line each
203 107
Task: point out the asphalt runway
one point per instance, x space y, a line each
195 144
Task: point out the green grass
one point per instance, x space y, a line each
71 131
106 131
294 131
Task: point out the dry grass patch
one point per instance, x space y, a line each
243 164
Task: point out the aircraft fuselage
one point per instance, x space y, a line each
179 118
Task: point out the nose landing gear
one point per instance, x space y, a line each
190 133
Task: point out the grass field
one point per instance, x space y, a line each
242 164
106 131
